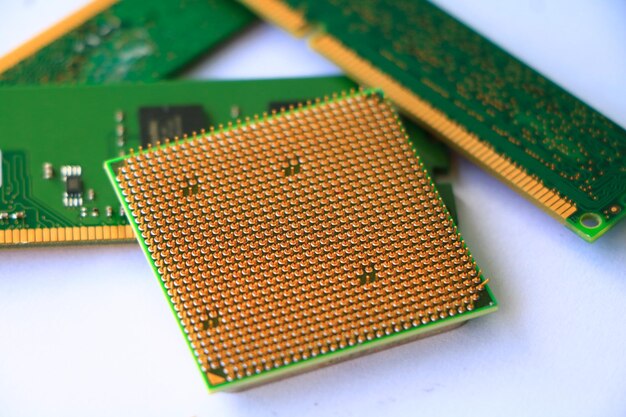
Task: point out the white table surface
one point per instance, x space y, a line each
86 331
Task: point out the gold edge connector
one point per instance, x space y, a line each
53 33
66 234
279 13
436 121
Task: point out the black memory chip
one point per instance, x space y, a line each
73 185
159 123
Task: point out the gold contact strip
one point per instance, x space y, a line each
66 234
279 13
456 135
54 32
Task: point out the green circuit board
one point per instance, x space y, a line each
289 242
541 140
133 40
55 139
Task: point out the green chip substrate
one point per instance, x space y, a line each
287 242
133 40
541 140
55 138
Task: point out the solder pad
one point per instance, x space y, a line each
291 241
541 140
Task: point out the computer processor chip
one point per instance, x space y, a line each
290 241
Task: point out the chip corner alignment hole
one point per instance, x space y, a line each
590 220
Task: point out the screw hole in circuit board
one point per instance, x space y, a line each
590 220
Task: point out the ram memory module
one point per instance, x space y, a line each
538 138
288 242
133 40
55 139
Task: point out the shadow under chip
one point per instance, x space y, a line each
161 122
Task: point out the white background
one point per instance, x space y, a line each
86 331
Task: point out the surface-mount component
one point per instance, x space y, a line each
133 40
65 137
538 138
73 196
158 123
291 241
